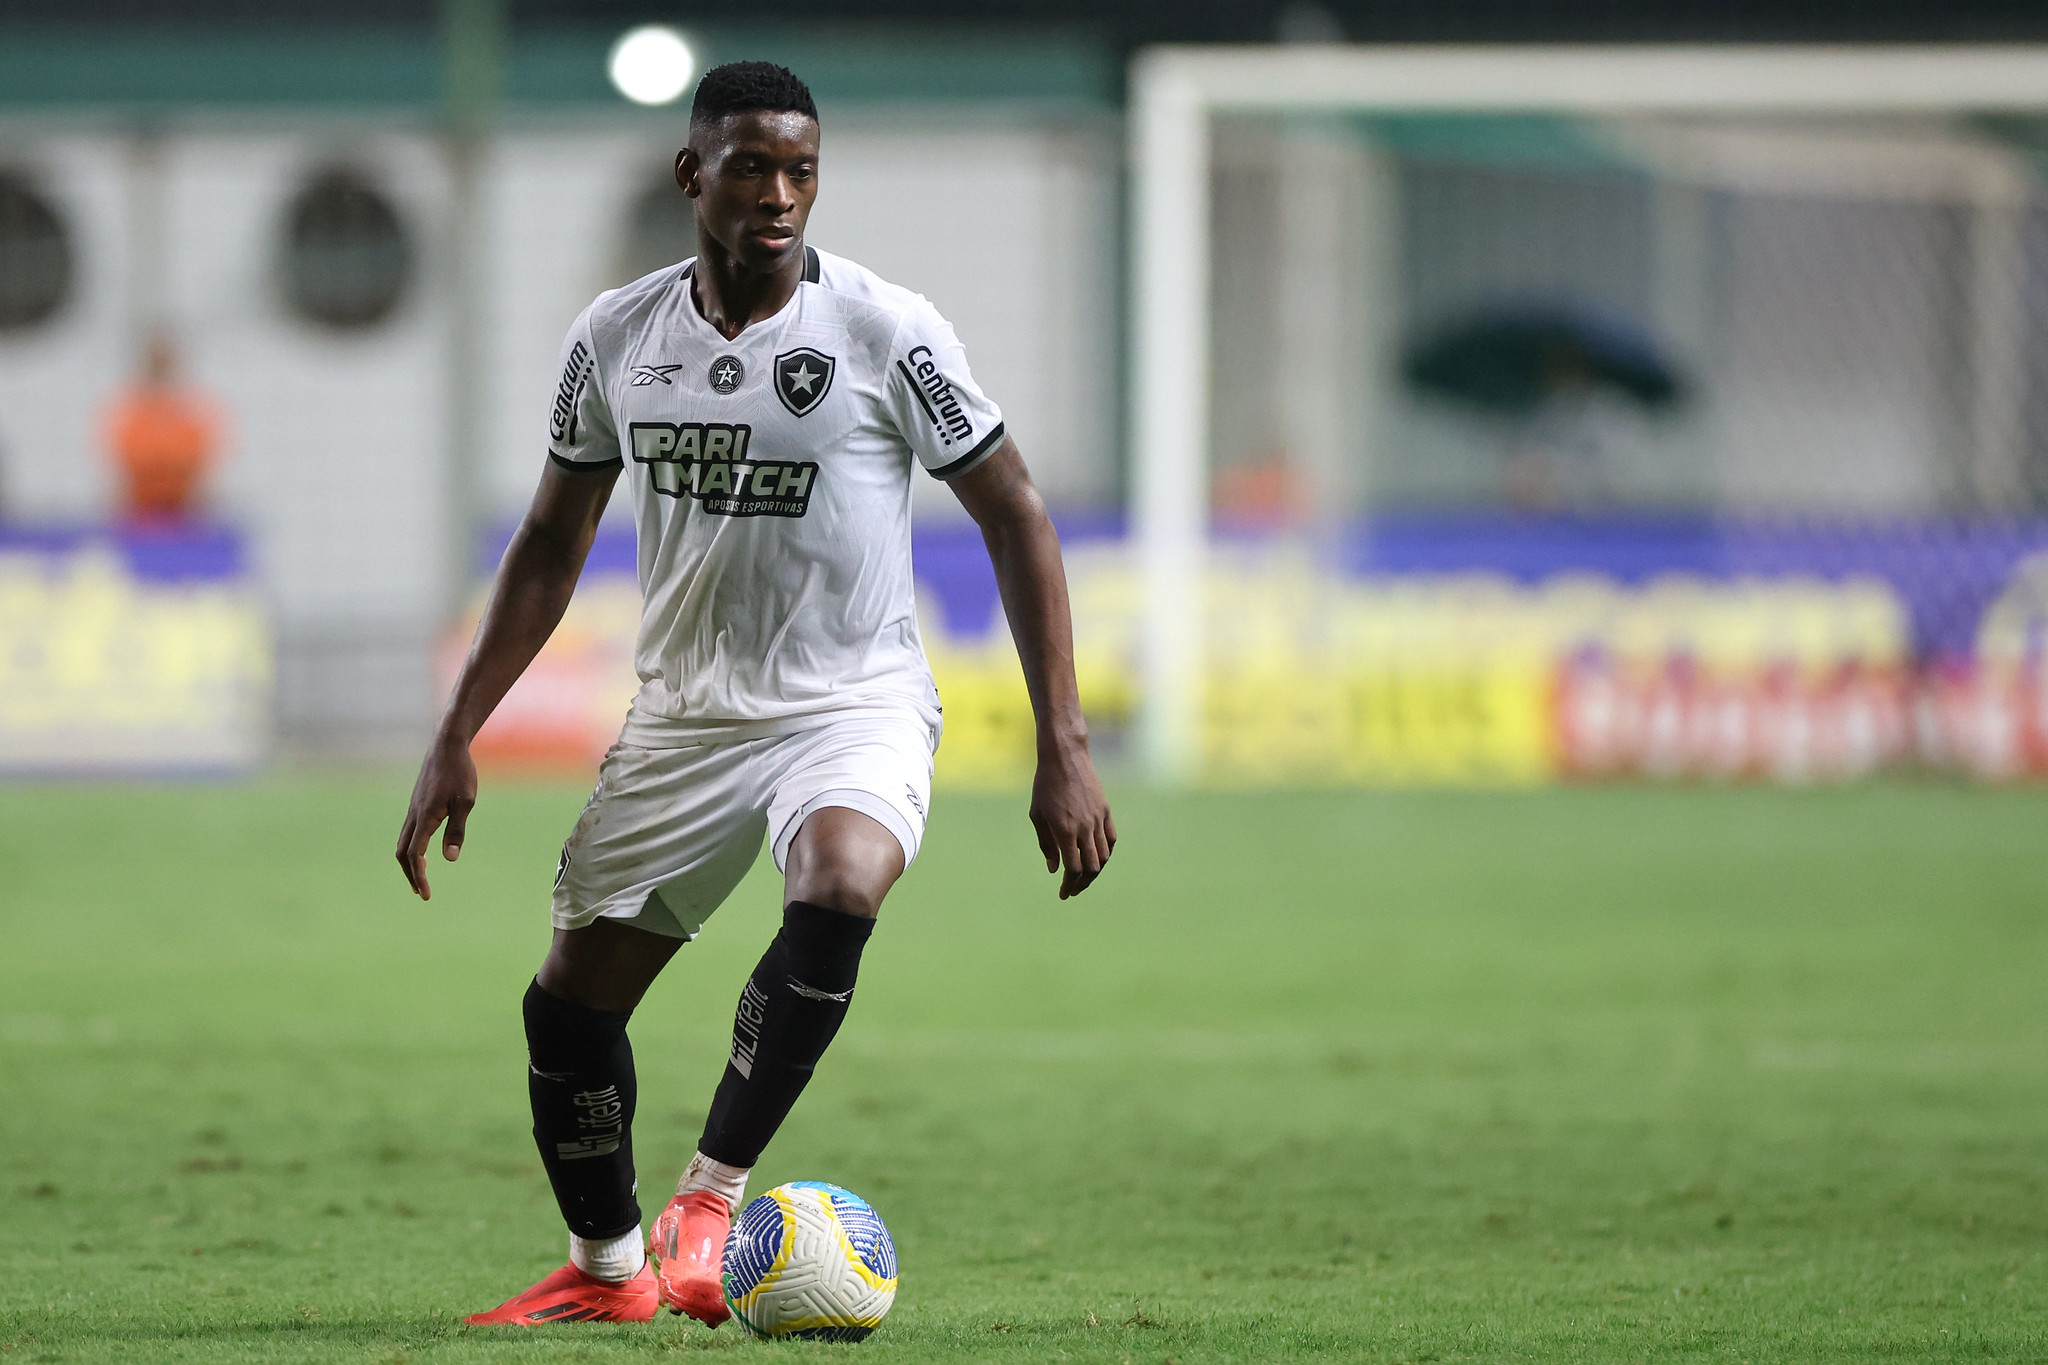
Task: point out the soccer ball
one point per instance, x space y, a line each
809 1259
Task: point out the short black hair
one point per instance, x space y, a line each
743 87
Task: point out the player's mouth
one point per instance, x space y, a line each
776 238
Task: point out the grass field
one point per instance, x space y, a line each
1581 1075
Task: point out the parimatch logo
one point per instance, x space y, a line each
708 461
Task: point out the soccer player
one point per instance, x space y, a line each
766 402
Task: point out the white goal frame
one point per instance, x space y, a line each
1174 92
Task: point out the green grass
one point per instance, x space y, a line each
1582 1075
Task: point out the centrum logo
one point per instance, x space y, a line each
575 374
935 395
708 461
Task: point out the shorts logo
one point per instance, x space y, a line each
708 461
643 375
802 378
575 374
935 395
726 374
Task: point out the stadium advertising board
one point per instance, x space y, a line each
1483 651
143 652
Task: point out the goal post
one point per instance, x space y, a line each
1175 94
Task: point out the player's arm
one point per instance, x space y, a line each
1068 807
533 587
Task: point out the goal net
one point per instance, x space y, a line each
1508 414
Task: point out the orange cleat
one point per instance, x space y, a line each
569 1295
688 1247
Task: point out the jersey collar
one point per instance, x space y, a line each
698 321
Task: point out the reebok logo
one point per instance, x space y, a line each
708 461
643 375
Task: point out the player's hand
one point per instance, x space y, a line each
1072 818
446 791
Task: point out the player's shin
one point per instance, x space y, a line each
788 1013
580 1080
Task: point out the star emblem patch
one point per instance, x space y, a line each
726 373
802 378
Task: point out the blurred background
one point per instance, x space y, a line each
1569 664
1544 445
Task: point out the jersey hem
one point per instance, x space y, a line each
973 457
586 466
646 731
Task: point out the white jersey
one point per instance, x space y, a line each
770 478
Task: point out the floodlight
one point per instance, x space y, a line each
651 64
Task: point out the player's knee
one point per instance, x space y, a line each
605 965
572 982
849 881
850 877
844 861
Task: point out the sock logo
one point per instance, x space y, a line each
746 1029
601 1119
813 993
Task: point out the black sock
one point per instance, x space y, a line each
579 1076
788 1012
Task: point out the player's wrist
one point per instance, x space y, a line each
1063 745
454 733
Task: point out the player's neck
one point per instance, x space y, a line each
731 297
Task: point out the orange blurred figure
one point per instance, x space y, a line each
1265 494
164 438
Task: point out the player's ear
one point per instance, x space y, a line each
688 165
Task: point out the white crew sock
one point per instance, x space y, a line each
617 1259
728 1182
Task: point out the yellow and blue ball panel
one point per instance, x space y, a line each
771 1293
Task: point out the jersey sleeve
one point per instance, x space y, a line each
948 422
580 431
